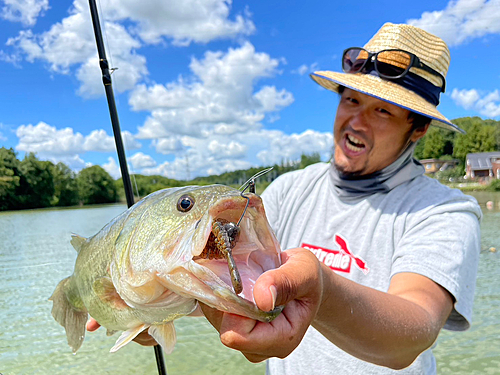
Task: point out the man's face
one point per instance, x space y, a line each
369 134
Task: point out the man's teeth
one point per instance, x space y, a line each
354 144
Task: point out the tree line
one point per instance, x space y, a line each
481 136
34 183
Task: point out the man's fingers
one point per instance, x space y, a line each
92 325
298 276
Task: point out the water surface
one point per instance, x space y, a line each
35 254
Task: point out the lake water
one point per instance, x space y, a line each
35 254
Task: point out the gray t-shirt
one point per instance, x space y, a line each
420 226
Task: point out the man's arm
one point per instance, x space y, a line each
389 329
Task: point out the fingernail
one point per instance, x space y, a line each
274 294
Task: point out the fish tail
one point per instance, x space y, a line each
71 315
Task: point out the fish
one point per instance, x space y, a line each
153 263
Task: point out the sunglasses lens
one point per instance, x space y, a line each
354 60
393 63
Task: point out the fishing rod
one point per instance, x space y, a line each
127 185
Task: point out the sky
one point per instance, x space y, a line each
208 86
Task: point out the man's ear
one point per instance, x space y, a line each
419 133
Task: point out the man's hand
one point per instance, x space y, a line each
298 285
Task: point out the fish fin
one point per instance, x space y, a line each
71 318
127 336
110 332
77 241
164 334
106 291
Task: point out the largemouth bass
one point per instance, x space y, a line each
151 264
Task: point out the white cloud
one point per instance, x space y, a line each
231 150
291 147
465 98
112 168
24 11
305 69
11 58
127 26
487 105
140 160
462 20
169 145
121 54
75 162
272 100
196 164
59 144
45 139
217 99
182 21
68 42
241 151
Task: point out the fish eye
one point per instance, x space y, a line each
185 203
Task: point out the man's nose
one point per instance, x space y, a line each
359 120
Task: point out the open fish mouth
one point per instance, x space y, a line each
238 254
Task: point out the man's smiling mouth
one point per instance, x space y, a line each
354 144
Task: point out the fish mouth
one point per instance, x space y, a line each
239 244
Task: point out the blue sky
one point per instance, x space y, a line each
207 86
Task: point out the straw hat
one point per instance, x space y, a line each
431 50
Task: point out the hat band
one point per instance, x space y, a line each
413 82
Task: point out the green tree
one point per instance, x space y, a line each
9 179
436 143
65 186
95 185
306 160
36 186
479 137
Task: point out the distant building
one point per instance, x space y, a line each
483 165
438 165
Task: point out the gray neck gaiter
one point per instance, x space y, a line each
405 168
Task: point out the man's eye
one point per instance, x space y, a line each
385 111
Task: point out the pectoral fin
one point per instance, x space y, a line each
71 316
164 334
127 336
106 291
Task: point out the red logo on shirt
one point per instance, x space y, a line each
338 260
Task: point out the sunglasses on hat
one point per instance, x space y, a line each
389 64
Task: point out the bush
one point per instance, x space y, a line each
450 175
494 185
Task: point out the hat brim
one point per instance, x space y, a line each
384 90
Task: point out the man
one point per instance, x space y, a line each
380 257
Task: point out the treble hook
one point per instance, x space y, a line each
250 185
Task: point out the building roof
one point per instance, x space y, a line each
438 161
481 160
